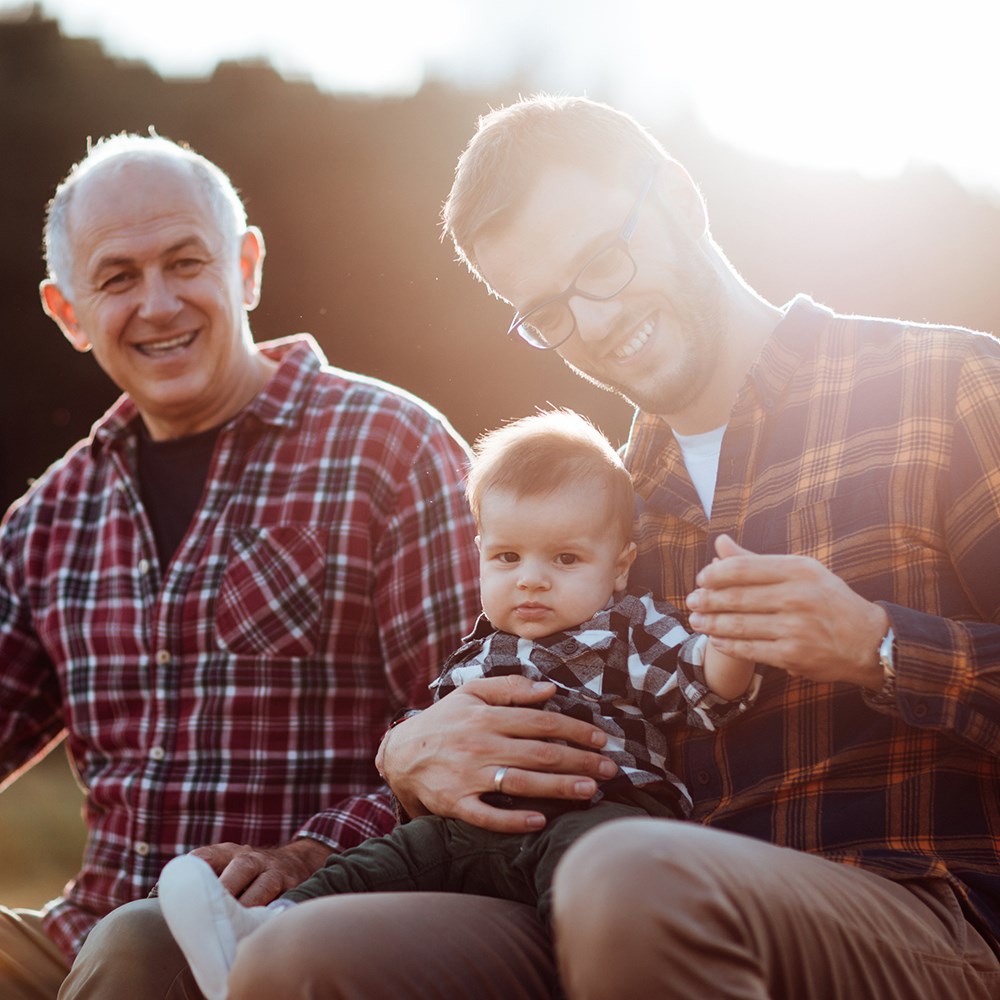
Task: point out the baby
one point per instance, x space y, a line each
554 507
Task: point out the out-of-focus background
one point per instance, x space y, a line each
845 150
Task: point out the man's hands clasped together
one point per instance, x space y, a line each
789 612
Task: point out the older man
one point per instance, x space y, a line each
224 594
846 832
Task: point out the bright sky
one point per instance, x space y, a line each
867 85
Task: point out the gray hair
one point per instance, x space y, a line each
223 198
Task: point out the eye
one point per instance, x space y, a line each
552 319
567 558
508 557
606 274
188 265
115 282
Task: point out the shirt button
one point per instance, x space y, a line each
141 848
703 777
143 566
157 753
163 657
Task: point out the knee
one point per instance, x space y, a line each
129 930
611 865
131 952
620 874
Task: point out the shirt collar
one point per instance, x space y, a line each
279 403
794 339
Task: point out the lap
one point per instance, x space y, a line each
687 909
397 945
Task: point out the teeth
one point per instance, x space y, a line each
162 346
635 342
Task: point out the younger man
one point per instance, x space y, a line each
554 507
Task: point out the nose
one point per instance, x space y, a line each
532 576
594 317
159 298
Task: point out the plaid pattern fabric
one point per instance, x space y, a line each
238 694
873 446
631 670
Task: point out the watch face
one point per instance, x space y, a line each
885 653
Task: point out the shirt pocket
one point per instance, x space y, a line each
850 532
270 599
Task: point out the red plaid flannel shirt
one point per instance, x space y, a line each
873 446
239 693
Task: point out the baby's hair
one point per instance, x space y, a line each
539 454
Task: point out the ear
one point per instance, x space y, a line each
251 265
681 197
623 564
60 309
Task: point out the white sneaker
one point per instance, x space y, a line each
206 921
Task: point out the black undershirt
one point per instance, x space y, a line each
172 477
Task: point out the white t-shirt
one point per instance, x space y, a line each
701 456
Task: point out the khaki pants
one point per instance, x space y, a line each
642 908
31 966
112 966
688 912
131 955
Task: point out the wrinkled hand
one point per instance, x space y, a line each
790 612
256 875
443 759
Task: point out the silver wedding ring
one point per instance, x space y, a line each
498 780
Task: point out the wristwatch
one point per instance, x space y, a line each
886 661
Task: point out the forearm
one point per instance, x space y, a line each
698 663
727 676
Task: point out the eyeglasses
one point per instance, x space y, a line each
607 274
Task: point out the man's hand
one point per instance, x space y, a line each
256 875
443 759
790 612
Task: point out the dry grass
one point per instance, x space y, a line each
41 833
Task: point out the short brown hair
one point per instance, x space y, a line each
538 454
513 144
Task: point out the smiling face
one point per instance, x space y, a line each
160 291
549 562
660 341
